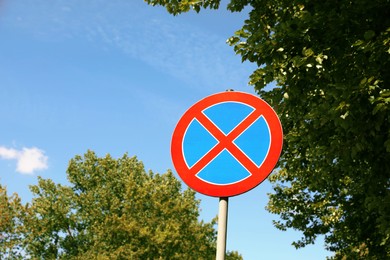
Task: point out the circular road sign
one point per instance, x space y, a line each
226 144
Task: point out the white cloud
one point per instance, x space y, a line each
6 153
28 160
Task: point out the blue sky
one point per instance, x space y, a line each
115 77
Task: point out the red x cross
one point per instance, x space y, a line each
225 142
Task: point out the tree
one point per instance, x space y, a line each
113 209
10 225
330 62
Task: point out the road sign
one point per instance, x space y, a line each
226 144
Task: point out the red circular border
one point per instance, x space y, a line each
247 184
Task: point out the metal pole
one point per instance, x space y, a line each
222 228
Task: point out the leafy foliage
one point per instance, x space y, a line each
178 6
330 61
10 223
112 209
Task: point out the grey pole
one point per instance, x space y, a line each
222 228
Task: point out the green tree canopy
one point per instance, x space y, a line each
330 61
112 209
10 225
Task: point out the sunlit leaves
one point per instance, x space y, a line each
113 209
179 6
11 214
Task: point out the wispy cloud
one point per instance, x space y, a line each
178 48
28 160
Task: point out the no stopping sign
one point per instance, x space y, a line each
226 144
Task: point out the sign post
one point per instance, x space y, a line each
222 227
224 145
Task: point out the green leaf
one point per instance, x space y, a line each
368 35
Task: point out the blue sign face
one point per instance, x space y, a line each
225 168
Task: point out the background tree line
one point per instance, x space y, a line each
112 209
